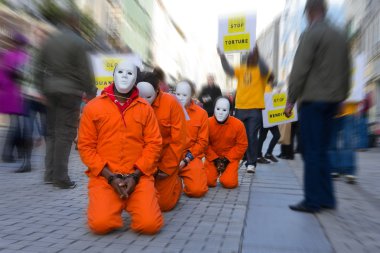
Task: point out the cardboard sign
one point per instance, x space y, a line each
273 114
104 64
358 80
237 33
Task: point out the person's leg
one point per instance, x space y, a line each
326 188
104 207
146 216
194 179
276 136
334 150
262 136
311 124
169 190
51 111
348 158
242 115
10 139
211 173
256 122
66 129
229 178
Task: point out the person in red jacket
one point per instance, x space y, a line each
120 143
171 120
227 145
191 168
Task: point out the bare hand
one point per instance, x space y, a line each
182 165
130 185
288 110
120 187
161 175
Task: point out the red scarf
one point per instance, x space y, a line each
109 91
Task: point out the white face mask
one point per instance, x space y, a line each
147 92
183 93
222 109
124 76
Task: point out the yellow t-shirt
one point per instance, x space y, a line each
250 88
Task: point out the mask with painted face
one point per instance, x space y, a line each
124 76
147 92
183 93
222 109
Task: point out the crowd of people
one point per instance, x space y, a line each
144 146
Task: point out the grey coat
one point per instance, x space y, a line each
321 68
64 66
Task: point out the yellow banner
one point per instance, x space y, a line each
110 63
277 116
279 99
236 42
236 25
103 81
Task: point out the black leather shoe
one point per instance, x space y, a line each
301 207
24 168
328 207
65 184
262 160
271 157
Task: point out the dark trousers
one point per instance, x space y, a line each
288 150
263 135
252 119
13 139
315 119
33 107
62 122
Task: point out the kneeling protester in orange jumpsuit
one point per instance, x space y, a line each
191 168
171 120
120 143
227 145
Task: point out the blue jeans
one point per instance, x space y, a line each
362 131
342 145
316 127
252 119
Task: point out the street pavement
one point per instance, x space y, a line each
35 217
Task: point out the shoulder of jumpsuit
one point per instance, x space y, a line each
198 110
97 104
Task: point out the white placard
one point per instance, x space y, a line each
237 33
358 81
273 114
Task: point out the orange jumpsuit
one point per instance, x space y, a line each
193 175
227 140
120 141
171 121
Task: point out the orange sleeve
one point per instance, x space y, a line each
87 144
153 143
237 152
200 145
172 155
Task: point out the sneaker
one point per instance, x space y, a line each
65 184
350 179
251 168
262 160
271 157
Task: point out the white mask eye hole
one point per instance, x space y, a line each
130 73
149 97
224 110
120 72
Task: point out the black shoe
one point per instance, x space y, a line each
262 160
271 157
24 168
328 207
301 207
64 184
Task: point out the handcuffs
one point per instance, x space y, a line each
135 177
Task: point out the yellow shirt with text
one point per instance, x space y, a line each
250 88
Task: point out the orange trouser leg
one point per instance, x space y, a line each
211 172
229 178
194 178
144 209
104 207
169 191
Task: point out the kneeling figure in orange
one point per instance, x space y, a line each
227 145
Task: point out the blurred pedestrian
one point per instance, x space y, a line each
362 123
65 75
208 94
161 76
319 81
252 78
264 132
12 65
172 123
